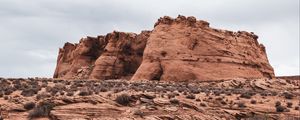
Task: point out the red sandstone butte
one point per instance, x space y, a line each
177 49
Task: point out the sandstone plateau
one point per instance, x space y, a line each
177 49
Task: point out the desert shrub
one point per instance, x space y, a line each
1 94
277 103
219 98
62 93
103 89
109 95
289 104
180 89
67 100
48 88
42 110
93 102
263 94
280 108
198 100
241 104
176 93
174 101
70 93
246 95
203 104
288 95
29 105
228 93
123 99
6 97
44 84
85 92
8 91
139 113
273 93
68 83
170 88
59 87
297 108
194 90
148 96
190 96
42 95
171 95
253 101
217 92
17 86
29 92
163 53
223 102
117 90
185 93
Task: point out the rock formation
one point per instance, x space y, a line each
177 49
115 55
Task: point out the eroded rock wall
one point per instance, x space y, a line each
115 55
177 49
186 49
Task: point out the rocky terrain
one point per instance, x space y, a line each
42 99
181 70
177 49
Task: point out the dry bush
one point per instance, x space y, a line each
42 110
190 96
289 104
253 101
123 99
174 101
29 92
288 95
241 104
29 105
280 108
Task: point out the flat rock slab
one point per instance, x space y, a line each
85 111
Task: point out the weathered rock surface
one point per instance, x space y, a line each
213 100
177 49
115 55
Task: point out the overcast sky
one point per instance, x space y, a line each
31 31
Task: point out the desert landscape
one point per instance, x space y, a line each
183 69
246 99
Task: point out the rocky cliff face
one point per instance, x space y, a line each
115 55
177 49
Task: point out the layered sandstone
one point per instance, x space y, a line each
97 100
187 49
177 49
115 55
